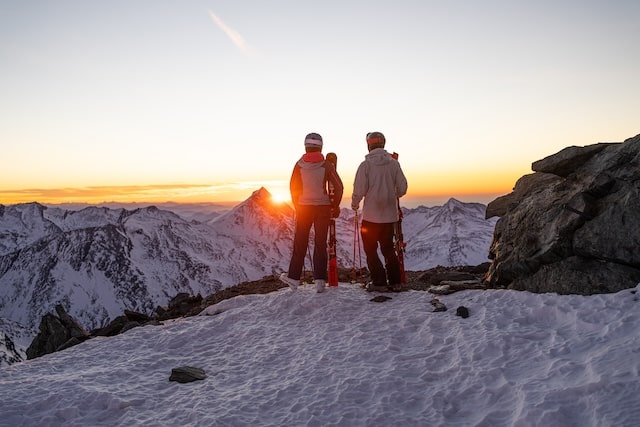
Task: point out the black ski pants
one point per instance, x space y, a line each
374 234
307 216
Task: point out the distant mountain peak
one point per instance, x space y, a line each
261 193
263 200
28 207
453 202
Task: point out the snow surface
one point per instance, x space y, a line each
306 359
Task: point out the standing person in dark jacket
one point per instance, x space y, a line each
381 182
309 181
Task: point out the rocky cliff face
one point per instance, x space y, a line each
573 226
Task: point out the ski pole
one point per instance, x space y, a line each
311 271
359 258
356 242
353 265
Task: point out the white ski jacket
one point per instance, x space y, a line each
380 181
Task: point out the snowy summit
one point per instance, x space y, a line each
306 359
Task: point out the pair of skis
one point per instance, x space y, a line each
400 244
398 239
333 261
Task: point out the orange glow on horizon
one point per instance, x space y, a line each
445 183
179 193
189 193
422 185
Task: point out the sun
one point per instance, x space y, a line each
280 196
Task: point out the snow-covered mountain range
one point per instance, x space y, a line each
98 261
450 235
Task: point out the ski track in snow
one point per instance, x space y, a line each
306 359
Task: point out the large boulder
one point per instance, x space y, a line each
573 226
56 333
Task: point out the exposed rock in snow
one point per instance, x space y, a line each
574 225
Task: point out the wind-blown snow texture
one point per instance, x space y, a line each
99 261
307 359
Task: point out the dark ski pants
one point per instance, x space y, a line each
374 234
307 216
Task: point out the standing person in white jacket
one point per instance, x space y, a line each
381 182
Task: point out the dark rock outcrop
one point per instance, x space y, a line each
438 306
56 333
573 226
187 374
380 298
123 323
462 311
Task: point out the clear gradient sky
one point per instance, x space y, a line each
194 100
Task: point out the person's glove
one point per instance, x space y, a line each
335 212
355 207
